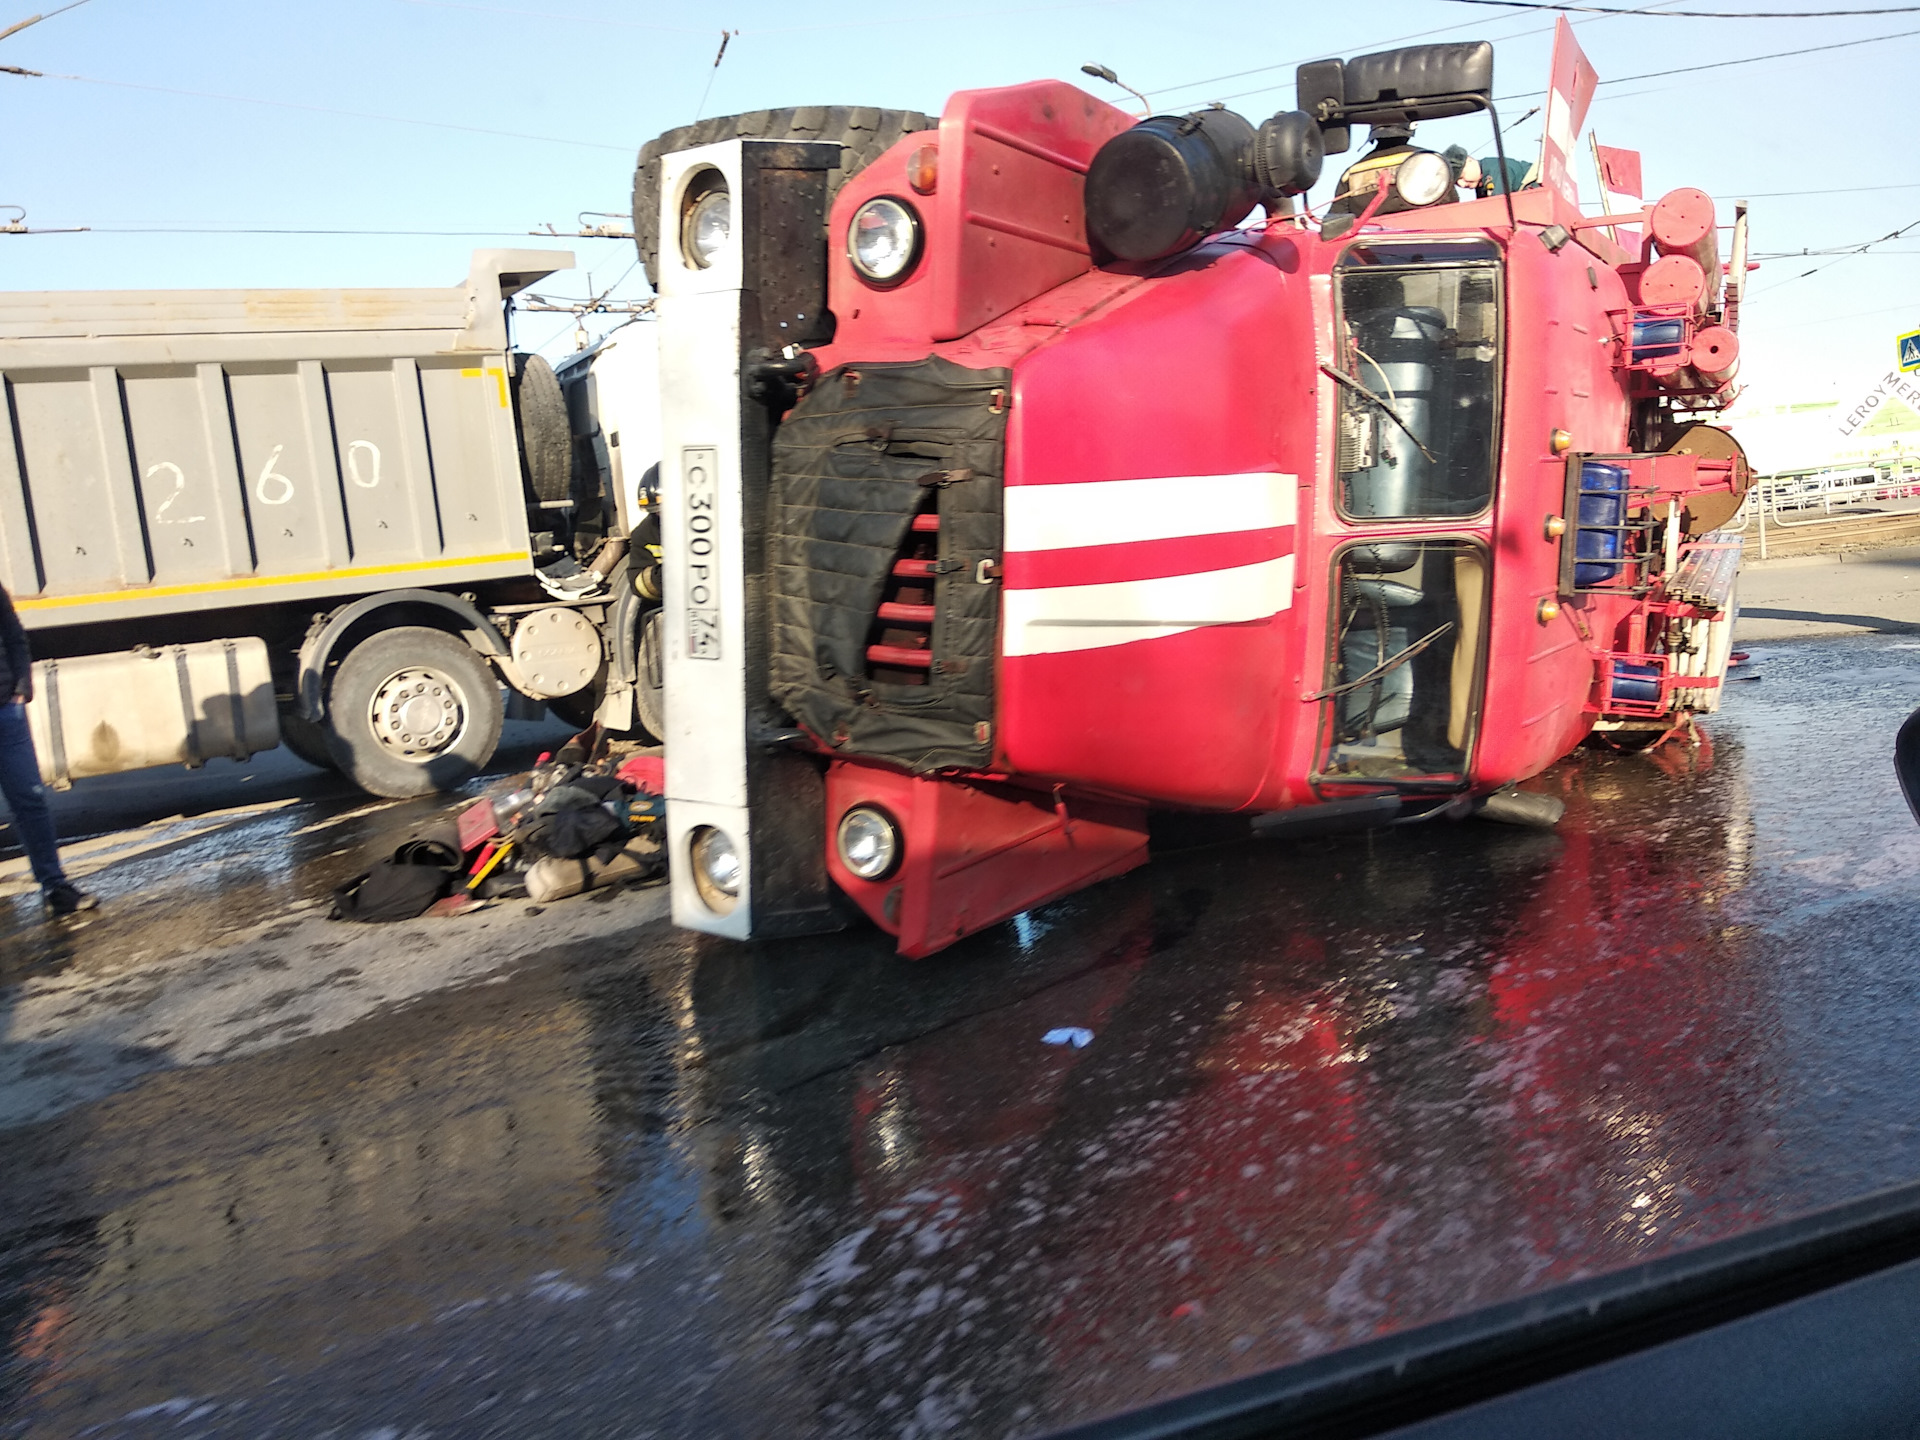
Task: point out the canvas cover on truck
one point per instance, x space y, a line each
863 452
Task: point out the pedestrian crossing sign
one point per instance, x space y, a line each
1910 351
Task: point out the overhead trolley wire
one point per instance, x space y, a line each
1844 253
326 110
1395 40
296 230
1723 64
1694 14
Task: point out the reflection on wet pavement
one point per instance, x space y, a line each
654 1184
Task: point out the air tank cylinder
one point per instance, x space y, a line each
1400 353
1682 223
1716 353
1674 280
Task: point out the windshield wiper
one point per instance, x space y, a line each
1392 414
1388 666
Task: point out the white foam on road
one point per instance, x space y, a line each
71 1039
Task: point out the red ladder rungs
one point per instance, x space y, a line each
899 655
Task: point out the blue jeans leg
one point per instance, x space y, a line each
27 797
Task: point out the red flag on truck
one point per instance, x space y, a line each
1570 91
1619 170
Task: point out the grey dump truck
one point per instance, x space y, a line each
355 522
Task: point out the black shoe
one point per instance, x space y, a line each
70 900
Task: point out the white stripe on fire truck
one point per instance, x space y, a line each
1089 617
1114 512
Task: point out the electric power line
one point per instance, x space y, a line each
1841 190
1843 254
292 230
325 110
1693 14
1723 64
20 25
1395 40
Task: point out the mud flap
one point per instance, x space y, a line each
975 853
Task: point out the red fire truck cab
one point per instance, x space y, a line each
1038 490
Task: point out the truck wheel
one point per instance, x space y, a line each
546 438
862 132
305 739
650 685
412 710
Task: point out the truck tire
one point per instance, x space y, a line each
862 132
650 686
412 710
305 739
546 437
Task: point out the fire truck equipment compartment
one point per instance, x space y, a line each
852 466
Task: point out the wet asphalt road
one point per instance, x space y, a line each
647 1184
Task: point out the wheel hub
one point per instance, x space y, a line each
417 713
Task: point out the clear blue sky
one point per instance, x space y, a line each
168 130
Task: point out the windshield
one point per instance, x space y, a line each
1418 362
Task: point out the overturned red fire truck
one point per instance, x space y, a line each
1016 487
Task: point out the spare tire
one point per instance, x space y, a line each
862 132
546 438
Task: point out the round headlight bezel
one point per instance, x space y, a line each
916 242
896 849
718 894
706 193
1423 174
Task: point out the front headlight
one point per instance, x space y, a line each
706 220
869 842
884 239
716 868
1423 178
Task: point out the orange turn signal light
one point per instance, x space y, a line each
1549 611
1556 526
923 169
1559 442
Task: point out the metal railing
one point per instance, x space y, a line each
1773 498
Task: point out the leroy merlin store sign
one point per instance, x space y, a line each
1891 391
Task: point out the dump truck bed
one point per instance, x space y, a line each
207 448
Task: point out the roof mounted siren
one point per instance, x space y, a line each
1172 180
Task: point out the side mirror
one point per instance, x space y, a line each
1395 87
1320 90
1421 82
